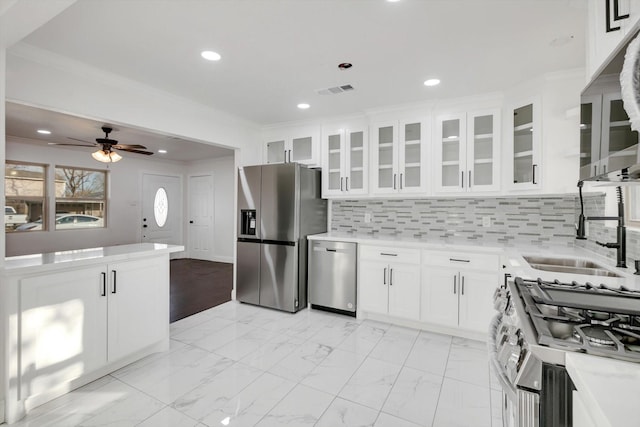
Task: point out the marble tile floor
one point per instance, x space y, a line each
239 365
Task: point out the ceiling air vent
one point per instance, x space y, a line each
335 90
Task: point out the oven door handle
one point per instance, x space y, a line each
506 385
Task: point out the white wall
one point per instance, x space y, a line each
123 205
40 78
224 183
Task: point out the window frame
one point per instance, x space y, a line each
44 198
104 200
631 199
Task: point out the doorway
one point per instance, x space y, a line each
201 217
161 209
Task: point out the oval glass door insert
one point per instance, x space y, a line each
161 207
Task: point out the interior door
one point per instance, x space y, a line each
201 217
161 209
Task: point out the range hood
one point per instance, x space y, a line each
610 118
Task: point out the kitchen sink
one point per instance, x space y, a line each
569 265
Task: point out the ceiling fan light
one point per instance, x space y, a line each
106 157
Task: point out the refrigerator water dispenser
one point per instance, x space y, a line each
248 222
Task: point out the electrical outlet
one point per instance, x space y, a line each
486 221
367 217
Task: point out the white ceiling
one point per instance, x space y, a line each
23 122
278 53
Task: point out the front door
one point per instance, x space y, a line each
201 210
161 209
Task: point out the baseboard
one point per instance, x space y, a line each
227 259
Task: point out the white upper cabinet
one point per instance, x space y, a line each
298 145
467 152
398 157
610 21
525 146
344 160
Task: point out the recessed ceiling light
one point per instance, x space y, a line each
303 106
210 55
432 82
162 151
44 132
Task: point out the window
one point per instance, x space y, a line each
80 198
24 189
632 206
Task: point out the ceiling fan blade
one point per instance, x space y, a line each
82 140
131 150
70 145
133 146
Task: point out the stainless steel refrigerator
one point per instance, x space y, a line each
278 206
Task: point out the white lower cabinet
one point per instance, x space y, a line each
76 321
390 281
457 289
138 312
63 328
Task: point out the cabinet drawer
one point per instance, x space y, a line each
476 261
390 254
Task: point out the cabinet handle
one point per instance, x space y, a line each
469 179
533 168
346 187
285 156
506 278
289 156
387 254
595 169
104 284
459 260
384 276
462 179
341 179
604 168
394 181
462 285
391 277
401 181
454 283
113 291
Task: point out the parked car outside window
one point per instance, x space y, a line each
65 221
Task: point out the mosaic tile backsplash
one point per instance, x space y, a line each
514 220
594 206
543 221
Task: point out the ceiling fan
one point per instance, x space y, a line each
106 154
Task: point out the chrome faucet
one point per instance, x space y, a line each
621 232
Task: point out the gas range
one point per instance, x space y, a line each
538 322
596 320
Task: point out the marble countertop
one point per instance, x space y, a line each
608 387
453 244
64 259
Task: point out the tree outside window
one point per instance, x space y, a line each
81 199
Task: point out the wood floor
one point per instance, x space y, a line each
197 285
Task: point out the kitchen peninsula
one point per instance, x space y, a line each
71 317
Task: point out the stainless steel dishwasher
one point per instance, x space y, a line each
332 276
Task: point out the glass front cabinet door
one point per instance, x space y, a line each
344 166
526 147
299 145
467 152
398 157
